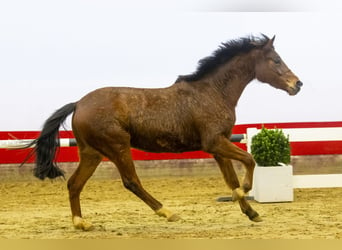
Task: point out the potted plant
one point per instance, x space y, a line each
273 181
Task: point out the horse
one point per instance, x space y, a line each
197 112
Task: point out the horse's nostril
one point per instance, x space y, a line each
299 84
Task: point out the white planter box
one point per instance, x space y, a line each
273 184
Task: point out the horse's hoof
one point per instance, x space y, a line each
256 219
80 223
174 217
168 214
238 194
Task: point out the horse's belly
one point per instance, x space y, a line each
166 144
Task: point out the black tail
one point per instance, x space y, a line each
46 145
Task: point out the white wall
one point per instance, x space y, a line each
54 52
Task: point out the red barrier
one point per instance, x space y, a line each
70 154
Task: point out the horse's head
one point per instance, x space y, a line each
271 69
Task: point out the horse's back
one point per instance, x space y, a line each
154 119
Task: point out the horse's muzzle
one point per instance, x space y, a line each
294 90
299 84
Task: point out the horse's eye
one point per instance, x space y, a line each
277 60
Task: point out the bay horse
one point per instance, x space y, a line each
197 112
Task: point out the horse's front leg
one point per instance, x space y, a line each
123 160
223 150
232 181
230 177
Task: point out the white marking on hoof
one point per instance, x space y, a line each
80 223
168 214
238 194
174 217
257 219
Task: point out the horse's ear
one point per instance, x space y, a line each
269 44
272 39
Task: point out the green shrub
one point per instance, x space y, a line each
271 147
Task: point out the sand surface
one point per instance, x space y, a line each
34 209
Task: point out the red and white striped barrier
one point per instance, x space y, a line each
304 135
308 135
20 144
310 138
307 138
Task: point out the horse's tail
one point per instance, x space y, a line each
46 145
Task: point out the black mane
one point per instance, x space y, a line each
222 55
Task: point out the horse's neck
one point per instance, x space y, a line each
232 78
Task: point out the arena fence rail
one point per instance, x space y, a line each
307 138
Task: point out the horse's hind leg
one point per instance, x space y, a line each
89 160
121 156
